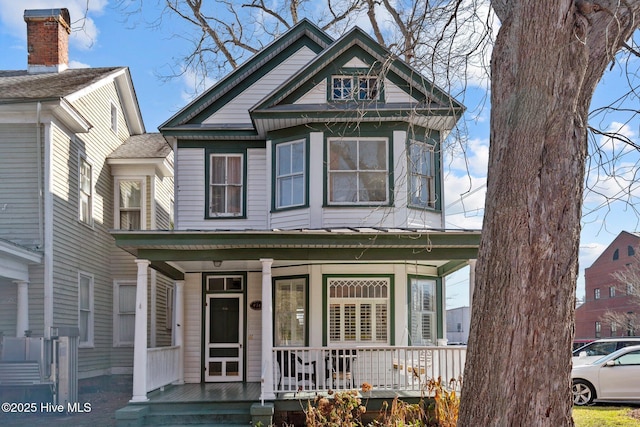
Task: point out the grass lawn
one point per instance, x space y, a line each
604 416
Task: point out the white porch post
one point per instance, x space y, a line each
267 331
22 321
140 341
178 328
472 282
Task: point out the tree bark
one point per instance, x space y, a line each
548 57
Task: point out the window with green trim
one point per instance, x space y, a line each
358 310
423 311
226 185
421 175
290 311
290 174
358 171
361 88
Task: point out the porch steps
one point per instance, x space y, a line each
219 414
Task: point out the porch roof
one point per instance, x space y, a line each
448 250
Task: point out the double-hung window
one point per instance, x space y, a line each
421 175
358 310
290 310
358 171
85 191
290 174
225 185
423 311
124 315
130 199
85 309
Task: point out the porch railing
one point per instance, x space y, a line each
384 368
162 366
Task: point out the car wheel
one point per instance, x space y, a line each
583 393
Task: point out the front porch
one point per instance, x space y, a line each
299 375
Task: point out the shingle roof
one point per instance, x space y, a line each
148 145
19 86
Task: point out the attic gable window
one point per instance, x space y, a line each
360 88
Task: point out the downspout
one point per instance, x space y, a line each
39 169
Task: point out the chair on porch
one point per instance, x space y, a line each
340 366
292 366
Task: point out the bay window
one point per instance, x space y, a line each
421 175
358 310
290 174
290 311
358 171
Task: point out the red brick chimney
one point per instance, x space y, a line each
48 40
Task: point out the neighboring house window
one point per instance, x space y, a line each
114 117
596 293
290 174
612 291
630 288
358 171
124 316
421 175
423 311
598 329
171 215
616 254
290 304
614 329
85 309
225 185
85 191
169 308
358 310
130 199
630 251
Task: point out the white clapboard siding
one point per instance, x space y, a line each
356 62
358 217
317 95
77 246
192 327
19 184
254 328
237 110
418 218
393 93
190 182
291 219
191 186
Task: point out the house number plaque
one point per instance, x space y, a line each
256 305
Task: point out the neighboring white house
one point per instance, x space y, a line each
308 216
458 322
75 162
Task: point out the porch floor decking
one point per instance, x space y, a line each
216 393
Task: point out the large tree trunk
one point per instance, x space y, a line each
546 62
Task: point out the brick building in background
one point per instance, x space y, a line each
604 292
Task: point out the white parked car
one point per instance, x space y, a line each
597 349
615 377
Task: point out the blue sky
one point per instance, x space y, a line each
107 38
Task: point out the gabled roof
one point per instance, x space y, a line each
630 237
427 99
20 86
424 105
256 65
145 146
60 89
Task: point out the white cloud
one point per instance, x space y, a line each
84 31
615 145
78 64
